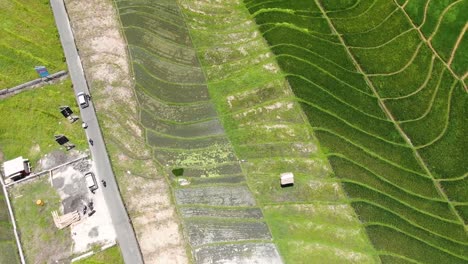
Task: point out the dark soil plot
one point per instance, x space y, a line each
230 179
215 196
215 231
157 139
167 70
213 171
220 212
161 46
200 129
168 91
242 253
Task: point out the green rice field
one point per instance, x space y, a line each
28 38
363 100
382 85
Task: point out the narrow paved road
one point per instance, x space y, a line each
125 234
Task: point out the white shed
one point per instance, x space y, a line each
17 168
287 178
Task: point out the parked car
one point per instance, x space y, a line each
91 181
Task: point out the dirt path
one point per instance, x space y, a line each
103 51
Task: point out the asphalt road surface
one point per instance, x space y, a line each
125 234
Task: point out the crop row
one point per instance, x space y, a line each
385 156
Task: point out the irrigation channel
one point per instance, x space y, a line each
219 212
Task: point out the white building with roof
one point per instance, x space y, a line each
16 169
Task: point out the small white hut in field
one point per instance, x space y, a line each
287 179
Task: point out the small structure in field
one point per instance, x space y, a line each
16 169
65 220
287 179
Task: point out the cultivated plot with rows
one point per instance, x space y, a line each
184 131
385 96
312 220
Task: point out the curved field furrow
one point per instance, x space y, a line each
409 215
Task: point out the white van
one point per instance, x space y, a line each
82 99
91 181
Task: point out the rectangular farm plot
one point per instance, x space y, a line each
159 140
157 26
216 170
247 213
242 253
215 196
203 232
176 113
165 69
161 46
207 128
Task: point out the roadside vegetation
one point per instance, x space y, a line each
28 38
110 255
42 242
32 118
7 240
388 110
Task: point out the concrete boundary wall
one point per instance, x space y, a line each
32 84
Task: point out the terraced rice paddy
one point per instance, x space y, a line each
382 85
28 38
220 215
